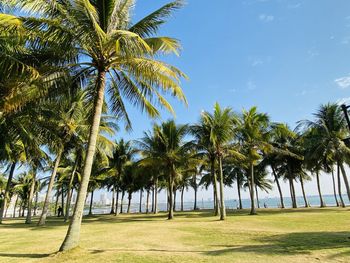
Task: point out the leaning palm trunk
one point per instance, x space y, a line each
36 203
322 204
156 196
252 197
7 191
70 191
171 197
30 199
278 185
43 216
345 180
222 201
73 234
216 196
292 193
257 196
174 207
303 191
339 186
334 189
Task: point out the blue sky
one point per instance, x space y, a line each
286 57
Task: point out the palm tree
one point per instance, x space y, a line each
253 134
122 55
165 148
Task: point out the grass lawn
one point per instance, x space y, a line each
302 235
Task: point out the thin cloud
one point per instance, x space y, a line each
294 6
266 18
251 85
343 82
343 101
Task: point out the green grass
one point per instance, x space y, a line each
303 235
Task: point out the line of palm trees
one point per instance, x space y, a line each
67 69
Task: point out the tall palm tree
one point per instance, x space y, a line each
253 134
122 58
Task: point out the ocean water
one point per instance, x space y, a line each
314 201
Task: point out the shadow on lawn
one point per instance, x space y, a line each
17 255
291 244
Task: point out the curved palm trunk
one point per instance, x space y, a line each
278 185
216 195
257 196
7 191
171 197
156 196
239 194
147 202
303 190
113 200
182 198
334 189
345 180
222 201
72 238
14 208
339 187
91 202
43 216
322 204
30 199
129 202
252 197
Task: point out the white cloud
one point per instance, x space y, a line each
343 82
251 85
294 6
232 90
345 101
257 62
312 52
266 18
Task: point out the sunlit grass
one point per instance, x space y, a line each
303 235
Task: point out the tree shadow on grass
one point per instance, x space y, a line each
291 244
26 255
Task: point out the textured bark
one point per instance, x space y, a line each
257 196
7 191
195 188
322 204
334 189
73 233
140 208
222 200
252 197
113 200
339 186
216 194
278 186
30 200
171 197
116 202
147 202
129 202
182 198
303 191
43 216
14 208
121 202
295 204
345 179
156 196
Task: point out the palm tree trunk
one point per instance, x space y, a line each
239 193
30 199
303 190
294 195
257 196
14 208
171 197
113 200
278 185
252 183
7 191
216 194
121 202
174 199
222 201
20 208
91 202
345 179
70 190
140 208
334 189
339 187
73 235
116 202
129 202
36 202
56 202
182 198
156 196
322 204
195 194
62 200
43 216
147 202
